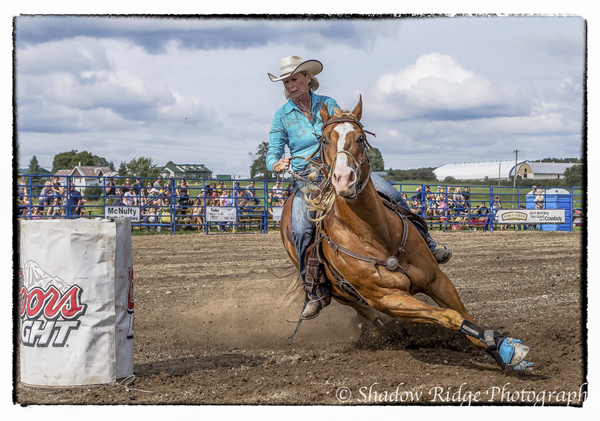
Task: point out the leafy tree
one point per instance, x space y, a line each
83 158
62 161
69 160
375 159
259 169
111 165
100 161
141 167
574 175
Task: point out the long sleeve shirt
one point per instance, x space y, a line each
292 128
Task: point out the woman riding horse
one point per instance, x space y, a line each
298 125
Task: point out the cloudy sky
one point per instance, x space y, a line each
436 90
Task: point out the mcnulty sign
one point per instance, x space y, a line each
113 212
221 214
533 216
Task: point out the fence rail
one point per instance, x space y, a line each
253 206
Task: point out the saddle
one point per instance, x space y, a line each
316 263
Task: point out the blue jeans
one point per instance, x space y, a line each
303 228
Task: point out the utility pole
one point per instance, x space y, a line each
515 176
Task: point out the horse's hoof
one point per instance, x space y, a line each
513 351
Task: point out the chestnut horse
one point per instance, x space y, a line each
375 260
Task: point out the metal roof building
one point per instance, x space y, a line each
503 169
476 170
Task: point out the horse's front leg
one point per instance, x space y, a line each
507 352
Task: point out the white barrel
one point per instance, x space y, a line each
76 306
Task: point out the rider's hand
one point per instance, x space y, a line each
281 165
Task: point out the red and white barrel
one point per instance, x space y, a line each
76 305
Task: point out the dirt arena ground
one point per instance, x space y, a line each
211 328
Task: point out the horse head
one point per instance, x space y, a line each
344 150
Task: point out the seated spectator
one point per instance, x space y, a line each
24 208
21 188
57 189
36 213
251 193
183 194
457 197
466 196
496 206
415 206
137 186
539 199
480 210
221 188
277 190
442 205
272 201
227 201
210 189
198 212
45 196
149 217
158 183
129 197
241 201
109 188
74 201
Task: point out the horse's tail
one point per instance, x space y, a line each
294 289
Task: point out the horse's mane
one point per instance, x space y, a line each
321 197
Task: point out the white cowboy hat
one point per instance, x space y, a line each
294 64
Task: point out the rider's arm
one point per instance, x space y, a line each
277 142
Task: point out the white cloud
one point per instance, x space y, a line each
436 87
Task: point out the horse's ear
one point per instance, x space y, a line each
324 113
357 113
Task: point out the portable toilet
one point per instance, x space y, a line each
555 199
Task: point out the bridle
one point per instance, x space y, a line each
358 165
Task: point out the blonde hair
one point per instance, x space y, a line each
313 85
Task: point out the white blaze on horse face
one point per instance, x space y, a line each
344 177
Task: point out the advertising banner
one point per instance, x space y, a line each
113 212
531 216
221 214
76 302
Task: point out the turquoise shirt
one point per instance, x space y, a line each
291 127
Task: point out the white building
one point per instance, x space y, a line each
501 169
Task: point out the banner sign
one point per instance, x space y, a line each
221 214
277 212
531 216
113 212
76 302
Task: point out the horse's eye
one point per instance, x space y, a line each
361 138
324 140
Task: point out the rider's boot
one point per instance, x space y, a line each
439 251
316 287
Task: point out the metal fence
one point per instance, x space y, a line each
216 206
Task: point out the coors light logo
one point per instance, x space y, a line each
50 309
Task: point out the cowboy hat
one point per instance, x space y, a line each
294 64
